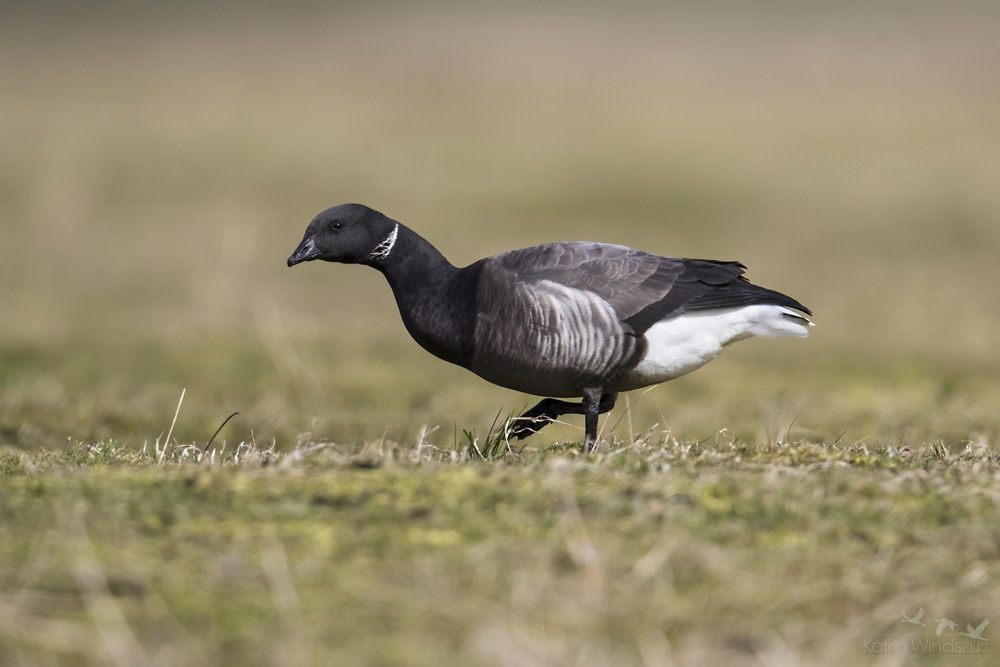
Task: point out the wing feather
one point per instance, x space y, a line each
642 288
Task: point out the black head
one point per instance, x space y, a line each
349 233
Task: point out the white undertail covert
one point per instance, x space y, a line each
680 345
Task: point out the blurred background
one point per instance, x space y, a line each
160 162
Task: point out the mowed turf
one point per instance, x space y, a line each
790 501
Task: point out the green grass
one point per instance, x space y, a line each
655 551
781 505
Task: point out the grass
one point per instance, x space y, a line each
650 552
782 505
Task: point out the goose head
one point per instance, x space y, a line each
349 234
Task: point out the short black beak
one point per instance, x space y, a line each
306 251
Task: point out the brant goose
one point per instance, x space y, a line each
571 319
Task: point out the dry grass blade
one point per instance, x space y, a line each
166 443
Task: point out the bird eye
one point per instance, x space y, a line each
336 225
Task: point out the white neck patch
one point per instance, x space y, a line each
383 249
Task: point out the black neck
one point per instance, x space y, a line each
436 300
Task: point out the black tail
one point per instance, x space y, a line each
740 293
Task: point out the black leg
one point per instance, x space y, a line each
591 404
544 413
590 414
549 409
